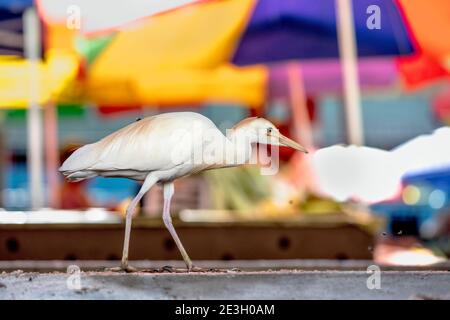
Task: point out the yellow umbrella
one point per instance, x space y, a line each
173 59
52 78
176 87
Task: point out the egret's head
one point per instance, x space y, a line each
260 130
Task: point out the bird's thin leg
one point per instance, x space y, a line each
148 183
168 193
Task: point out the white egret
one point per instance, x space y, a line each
162 148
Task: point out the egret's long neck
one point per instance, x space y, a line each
239 148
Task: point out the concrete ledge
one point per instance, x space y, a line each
233 285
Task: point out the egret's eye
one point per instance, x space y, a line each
269 130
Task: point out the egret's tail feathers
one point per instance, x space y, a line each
79 175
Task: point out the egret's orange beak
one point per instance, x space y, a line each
285 141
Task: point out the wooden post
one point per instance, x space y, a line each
297 95
303 175
52 154
348 56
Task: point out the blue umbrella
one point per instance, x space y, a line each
302 29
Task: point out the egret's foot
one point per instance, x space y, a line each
189 265
171 269
199 269
127 269
165 269
193 269
219 270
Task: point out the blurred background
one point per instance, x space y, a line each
363 84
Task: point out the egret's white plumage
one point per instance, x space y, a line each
162 148
137 149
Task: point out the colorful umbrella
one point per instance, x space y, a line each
175 58
302 29
166 66
271 30
430 24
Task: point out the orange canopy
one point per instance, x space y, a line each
430 25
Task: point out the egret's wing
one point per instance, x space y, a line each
155 143
145 146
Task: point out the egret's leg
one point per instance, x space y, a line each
168 193
148 183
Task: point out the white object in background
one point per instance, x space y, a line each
373 175
425 152
413 257
360 173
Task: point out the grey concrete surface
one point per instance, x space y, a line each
232 285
